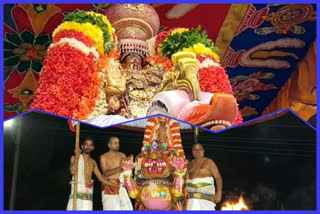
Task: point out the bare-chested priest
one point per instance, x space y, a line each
85 166
201 174
111 165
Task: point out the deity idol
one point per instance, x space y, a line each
158 181
123 68
174 90
134 24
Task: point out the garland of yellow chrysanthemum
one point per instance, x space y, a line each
89 30
105 20
99 21
199 49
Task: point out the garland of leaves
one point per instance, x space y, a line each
81 16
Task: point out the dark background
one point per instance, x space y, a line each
273 164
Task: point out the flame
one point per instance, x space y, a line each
240 205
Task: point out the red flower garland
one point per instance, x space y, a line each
214 79
201 58
239 118
69 83
73 34
161 37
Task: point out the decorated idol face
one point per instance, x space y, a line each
133 61
156 160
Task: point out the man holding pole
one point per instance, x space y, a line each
81 167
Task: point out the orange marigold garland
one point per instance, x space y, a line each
73 34
69 80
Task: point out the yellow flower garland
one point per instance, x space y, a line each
89 30
105 20
200 48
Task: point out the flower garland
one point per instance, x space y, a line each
212 76
101 107
74 43
89 30
214 79
63 87
73 34
183 39
97 20
71 83
200 48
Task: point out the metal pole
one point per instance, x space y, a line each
75 183
15 164
196 135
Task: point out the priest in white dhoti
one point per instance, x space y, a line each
85 193
114 198
202 177
84 165
201 192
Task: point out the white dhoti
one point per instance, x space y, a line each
84 193
116 199
201 194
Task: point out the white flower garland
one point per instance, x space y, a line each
74 43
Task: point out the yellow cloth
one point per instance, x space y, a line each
299 93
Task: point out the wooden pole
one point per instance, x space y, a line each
75 183
196 135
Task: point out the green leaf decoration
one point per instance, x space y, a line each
178 41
